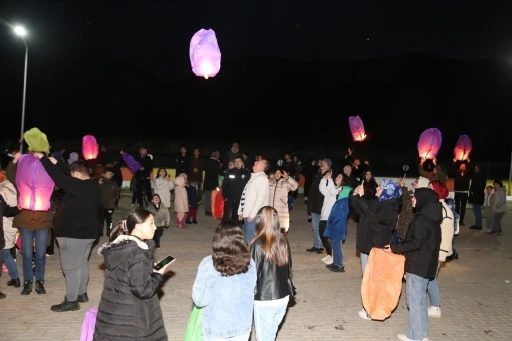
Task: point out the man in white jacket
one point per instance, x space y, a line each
254 197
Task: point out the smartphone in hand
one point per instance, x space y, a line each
164 262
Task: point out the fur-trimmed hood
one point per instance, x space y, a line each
120 248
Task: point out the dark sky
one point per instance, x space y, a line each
156 34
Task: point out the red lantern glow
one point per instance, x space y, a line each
89 147
356 128
34 185
429 143
462 148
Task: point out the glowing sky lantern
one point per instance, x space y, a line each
429 143
462 148
34 185
131 163
356 128
205 54
89 147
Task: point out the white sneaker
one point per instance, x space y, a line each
434 311
327 260
405 338
362 314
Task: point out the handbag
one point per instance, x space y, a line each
193 332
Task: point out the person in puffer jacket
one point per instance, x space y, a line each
129 308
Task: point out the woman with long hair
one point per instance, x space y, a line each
271 254
129 308
224 286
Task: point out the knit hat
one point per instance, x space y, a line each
390 190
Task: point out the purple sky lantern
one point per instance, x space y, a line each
34 185
131 163
205 54
462 148
356 128
429 143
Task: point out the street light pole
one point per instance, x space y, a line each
24 96
20 31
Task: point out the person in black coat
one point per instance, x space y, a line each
129 308
5 211
477 195
212 171
232 188
421 250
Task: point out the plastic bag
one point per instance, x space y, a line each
193 332
382 283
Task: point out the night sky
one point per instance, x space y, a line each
156 34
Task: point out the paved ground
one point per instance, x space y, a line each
475 291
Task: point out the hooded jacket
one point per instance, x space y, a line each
129 308
421 244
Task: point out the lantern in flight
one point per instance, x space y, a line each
205 53
34 185
462 148
429 143
356 128
89 147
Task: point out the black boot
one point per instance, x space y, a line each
83 298
65 306
2 295
27 288
15 282
39 287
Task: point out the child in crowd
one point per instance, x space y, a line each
193 202
162 217
109 192
180 201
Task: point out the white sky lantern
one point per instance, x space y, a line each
205 54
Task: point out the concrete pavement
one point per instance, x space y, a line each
476 290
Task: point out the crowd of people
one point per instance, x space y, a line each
247 280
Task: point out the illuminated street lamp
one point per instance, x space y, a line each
21 32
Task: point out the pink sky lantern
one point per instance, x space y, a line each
462 148
34 185
89 147
205 53
356 128
429 143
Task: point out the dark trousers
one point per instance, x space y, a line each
231 210
106 216
143 185
325 241
461 200
158 234
50 250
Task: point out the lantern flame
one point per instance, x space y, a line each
463 148
356 128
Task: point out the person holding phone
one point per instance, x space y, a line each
129 308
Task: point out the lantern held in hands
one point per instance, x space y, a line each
356 128
132 164
34 185
462 148
429 143
89 147
205 53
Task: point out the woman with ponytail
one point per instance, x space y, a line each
129 308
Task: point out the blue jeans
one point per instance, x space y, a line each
364 260
10 264
315 221
477 210
416 287
27 249
433 290
250 229
337 252
268 315
290 201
